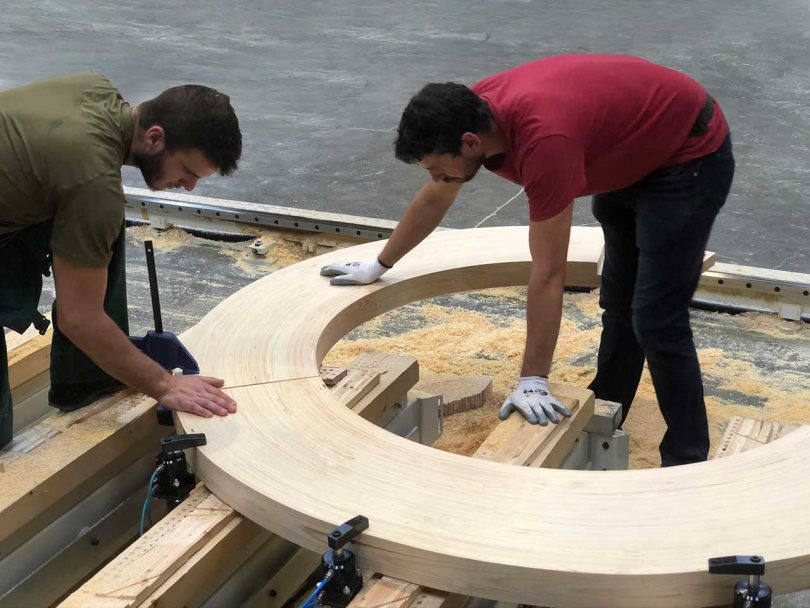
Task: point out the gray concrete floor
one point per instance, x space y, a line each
319 87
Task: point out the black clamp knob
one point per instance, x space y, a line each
346 533
750 592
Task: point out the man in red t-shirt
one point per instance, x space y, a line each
652 147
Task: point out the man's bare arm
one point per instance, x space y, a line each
421 217
425 212
80 296
548 242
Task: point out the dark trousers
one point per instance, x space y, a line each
655 237
24 259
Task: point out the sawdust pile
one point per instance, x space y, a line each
171 239
458 341
285 248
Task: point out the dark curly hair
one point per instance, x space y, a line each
436 118
195 116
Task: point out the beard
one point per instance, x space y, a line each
151 166
475 167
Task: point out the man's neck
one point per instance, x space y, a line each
492 142
137 137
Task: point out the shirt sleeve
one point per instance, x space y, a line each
553 175
88 219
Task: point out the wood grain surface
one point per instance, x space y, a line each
297 462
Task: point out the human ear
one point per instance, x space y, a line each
470 141
155 139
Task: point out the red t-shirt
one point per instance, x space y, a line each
576 125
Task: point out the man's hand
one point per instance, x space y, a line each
198 395
354 273
533 399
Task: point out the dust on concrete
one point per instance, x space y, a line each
284 248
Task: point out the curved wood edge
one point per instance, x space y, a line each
298 463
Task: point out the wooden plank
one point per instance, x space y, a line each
13 339
556 450
384 591
516 441
432 598
216 555
709 259
743 434
29 359
144 566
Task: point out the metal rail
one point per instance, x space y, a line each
727 287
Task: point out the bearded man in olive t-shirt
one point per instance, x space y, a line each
62 144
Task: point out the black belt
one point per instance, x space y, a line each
701 126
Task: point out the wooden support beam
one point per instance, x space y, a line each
384 591
65 457
216 555
28 358
144 566
515 441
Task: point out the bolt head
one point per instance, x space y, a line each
347 591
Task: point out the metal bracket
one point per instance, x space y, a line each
420 420
601 446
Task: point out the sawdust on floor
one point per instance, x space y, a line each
285 247
458 341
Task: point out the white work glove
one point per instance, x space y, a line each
533 399
354 273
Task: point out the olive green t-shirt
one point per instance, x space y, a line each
62 144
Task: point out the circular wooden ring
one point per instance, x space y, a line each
299 463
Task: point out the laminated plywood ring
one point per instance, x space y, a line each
298 463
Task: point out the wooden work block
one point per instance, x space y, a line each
355 385
332 375
397 374
459 394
